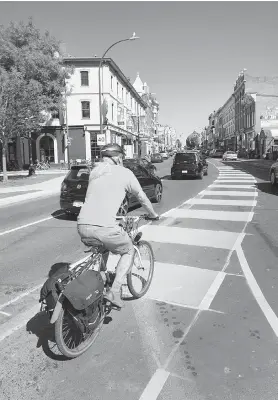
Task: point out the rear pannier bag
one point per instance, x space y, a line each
84 290
50 290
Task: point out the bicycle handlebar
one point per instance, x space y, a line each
138 217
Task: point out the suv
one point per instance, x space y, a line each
75 184
188 163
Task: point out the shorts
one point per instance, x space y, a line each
114 239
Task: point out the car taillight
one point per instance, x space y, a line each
64 187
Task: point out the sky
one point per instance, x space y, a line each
189 53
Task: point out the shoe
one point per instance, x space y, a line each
114 298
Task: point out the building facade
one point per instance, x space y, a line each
150 119
248 121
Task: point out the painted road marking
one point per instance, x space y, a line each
191 237
166 284
212 215
231 193
219 181
240 178
256 290
27 225
232 186
5 313
155 385
216 202
213 289
14 300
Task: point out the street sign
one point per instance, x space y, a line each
101 139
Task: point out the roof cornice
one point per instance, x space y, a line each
74 61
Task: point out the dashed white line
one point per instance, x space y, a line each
27 225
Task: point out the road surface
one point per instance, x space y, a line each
207 328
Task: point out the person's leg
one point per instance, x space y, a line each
117 241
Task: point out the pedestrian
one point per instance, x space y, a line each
32 168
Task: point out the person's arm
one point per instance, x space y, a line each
134 187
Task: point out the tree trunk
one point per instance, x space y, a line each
4 160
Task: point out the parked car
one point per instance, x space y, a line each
218 154
229 156
188 163
144 162
164 155
156 158
75 184
273 174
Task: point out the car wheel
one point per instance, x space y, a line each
123 210
157 193
273 178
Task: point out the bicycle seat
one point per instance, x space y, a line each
95 246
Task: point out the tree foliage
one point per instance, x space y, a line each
32 80
193 140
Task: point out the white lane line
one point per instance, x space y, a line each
13 325
191 237
212 215
232 186
231 193
14 300
27 225
5 313
211 293
256 290
244 203
155 385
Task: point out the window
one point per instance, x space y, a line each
79 173
84 78
85 108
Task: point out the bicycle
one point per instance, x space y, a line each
77 326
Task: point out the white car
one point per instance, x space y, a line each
229 156
164 156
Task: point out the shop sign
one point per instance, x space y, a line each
101 139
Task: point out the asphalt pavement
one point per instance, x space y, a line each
207 328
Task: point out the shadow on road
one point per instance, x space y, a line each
266 187
40 326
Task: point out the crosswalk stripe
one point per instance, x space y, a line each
191 237
231 193
180 284
235 180
211 215
232 186
216 202
235 177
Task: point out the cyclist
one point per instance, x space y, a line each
108 184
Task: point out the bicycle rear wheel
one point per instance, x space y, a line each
141 273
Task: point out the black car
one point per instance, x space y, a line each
75 184
142 161
188 163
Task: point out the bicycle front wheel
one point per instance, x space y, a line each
140 275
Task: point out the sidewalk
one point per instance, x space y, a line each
261 163
19 192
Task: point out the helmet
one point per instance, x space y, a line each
112 150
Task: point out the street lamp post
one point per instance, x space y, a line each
133 37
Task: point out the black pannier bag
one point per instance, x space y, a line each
86 289
51 288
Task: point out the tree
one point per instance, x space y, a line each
193 140
32 81
178 143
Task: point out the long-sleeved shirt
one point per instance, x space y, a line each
107 188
